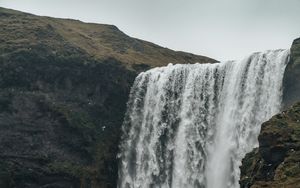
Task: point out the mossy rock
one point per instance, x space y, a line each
260 169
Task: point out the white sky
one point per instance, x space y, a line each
221 29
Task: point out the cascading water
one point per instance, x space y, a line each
189 126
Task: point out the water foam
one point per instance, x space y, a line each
191 125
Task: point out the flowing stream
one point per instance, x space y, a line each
189 126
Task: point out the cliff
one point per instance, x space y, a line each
291 80
64 85
276 163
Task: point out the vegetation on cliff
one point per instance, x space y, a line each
276 163
24 32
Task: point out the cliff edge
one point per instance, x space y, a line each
276 163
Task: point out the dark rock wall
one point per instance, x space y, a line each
291 80
60 120
276 163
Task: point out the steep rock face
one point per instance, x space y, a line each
291 80
64 85
59 121
276 163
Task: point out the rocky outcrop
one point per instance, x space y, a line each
64 85
291 80
276 163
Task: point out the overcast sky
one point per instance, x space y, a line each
221 29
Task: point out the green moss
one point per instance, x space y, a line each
286 127
293 171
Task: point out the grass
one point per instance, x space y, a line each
99 41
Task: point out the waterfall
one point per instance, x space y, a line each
189 126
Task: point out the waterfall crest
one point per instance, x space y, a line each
191 125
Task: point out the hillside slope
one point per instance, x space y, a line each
22 31
64 85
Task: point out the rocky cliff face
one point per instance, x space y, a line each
276 163
64 85
291 81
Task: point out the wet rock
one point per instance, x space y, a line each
276 163
291 80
